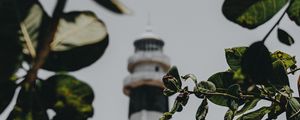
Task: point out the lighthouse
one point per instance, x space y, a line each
144 85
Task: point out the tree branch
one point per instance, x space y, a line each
293 71
45 46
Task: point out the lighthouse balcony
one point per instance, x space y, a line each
148 57
142 78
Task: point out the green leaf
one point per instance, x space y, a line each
202 110
284 37
79 34
280 77
234 57
234 90
276 110
229 115
293 109
29 105
113 5
68 96
7 91
10 47
174 72
205 87
183 98
287 60
168 92
294 11
172 79
257 63
190 76
251 13
255 115
222 81
249 104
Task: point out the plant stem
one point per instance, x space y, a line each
277 23
241 97
44 50
293 71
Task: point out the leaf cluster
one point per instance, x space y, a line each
254 74
60 43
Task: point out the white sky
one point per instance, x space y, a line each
196 34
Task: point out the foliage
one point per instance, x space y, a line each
55 43
255 73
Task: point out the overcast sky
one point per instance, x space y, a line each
195 34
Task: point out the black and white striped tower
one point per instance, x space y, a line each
144 86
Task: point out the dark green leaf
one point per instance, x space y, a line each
113 5
7 91
183 98
255 115
172 79
251 13
168 92
29 105
280 77
205 87
222 81
276 110
234 57
294 12
67 96
257 63
174 72
234 90
10 47
293 109
284 37
229 115
202 110
177 105
249 104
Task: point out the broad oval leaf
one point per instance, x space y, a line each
284 37
294 11
255 115
202 110
234 57
257 63
29 105
7 91
81 39
222 81
251 13
67 95
113 5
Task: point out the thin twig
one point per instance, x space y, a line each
277 23
293 71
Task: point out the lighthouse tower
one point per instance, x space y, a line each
144 86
